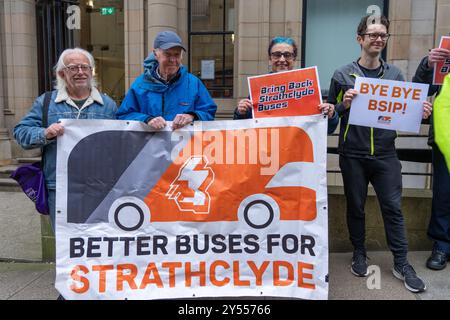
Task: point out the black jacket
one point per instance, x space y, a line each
359 141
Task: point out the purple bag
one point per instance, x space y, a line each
31 179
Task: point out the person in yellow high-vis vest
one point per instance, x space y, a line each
439 139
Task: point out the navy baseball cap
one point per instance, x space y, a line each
166 40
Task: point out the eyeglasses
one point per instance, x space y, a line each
278 54
75 68
375 36
171 54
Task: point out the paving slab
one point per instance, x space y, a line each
20 228
35 281
27 281
438 282
345 286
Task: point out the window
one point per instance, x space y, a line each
211 44
329 34
98 18
52 38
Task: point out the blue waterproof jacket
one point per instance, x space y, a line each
149 97
29 132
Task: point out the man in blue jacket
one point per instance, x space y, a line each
166 91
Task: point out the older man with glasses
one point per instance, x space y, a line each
75 97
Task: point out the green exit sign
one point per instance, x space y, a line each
107 11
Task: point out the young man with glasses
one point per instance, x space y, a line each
369 155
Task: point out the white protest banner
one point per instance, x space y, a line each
388 104
442 69
219 208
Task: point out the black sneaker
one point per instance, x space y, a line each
407 274
359 265
437 260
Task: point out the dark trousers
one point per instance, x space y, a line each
439 227
386 178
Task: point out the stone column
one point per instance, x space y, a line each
5 144
258 22
135 44
18 68
412 29
252 37
182 25
442 20
161 15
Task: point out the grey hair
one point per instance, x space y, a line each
60 82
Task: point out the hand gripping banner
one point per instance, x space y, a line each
220 208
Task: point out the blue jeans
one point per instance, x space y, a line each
52 205
439 227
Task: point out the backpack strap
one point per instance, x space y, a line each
47 98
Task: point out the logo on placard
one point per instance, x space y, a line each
384 120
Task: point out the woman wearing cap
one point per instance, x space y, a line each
282 53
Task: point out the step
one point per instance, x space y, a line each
28 160
9 185
5 171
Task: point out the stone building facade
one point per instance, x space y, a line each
417 26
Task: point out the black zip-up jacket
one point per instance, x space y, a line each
424 74
359 141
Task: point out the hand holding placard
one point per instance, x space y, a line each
437 55
348 97
441 59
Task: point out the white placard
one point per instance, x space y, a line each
388 104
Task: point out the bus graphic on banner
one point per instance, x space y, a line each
193 188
